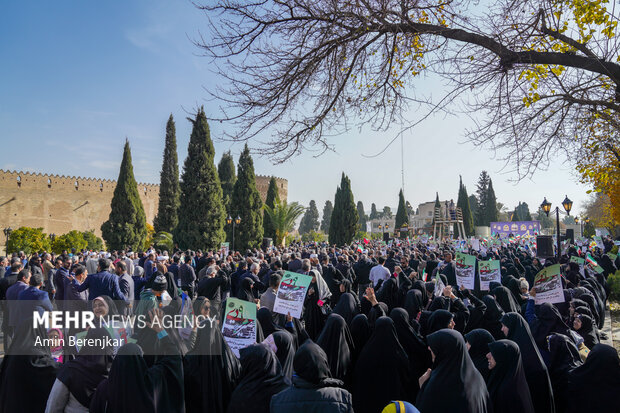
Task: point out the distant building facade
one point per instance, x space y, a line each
60 204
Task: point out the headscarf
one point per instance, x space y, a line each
323 289
360 333
438 320
346 307
548 321
28 372
134 387
492 316
563 358
311 367
265 318
593 387
506 300
413 303
336 341
479 340
384 359
285 351
455 385
587 330
533 365
245 290
83 374
261 378
414 346
507 385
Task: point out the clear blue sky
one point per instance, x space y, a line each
77 77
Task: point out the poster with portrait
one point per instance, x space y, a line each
465 270
489 271
292 293
239 327
548 285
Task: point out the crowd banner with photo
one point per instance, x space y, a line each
239 329
292 293
548 285
225 248
581 262
465 270
505 229
475 244
599 242
489 271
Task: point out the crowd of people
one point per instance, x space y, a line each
384 327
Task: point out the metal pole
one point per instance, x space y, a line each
233 240
557 221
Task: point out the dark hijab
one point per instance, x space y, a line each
312 368
83 374
479 340
261 378
594 386
28 372
134 387
384 360
587 330
245 290
360 333
347 307
548 321
563 358
414 346
507 385
533 365
421 287
413 303
336 341
438 320
506 300
492 316
285 351
265 318
455 385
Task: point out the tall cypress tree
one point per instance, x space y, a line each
169 192
401 213
343 223
201 213
247 204
126 226
270 200
463 203
515 215
226 173
328 209
310 220
361 216
473 206
482 189
374 214
491 205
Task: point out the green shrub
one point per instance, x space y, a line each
93 242
614 285
72 239
29 240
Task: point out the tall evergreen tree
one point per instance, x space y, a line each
226 173
343 223
515 215
481 193
437 205
328 209
463 203
401 213
491 213
373 212
545 221
169 192
270 200
247 204
126 225
523 211
386 213
473 206
310 220
361 216
201 213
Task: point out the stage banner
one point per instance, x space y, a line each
504 229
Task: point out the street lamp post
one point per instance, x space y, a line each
7 234
234 223
546 207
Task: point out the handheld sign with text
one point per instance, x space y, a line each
548 285
292 293
489 271
239 328
465 270
581 262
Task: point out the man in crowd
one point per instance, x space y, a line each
268 298
125 283
102 283
379 273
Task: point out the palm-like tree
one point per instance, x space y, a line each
283 217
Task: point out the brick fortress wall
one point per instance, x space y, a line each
60 204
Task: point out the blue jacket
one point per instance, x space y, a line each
101 283
59 282
12 295
36 300
304 397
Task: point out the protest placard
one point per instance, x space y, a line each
465 270
581 262
291 294
239 327
489 271
548 285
